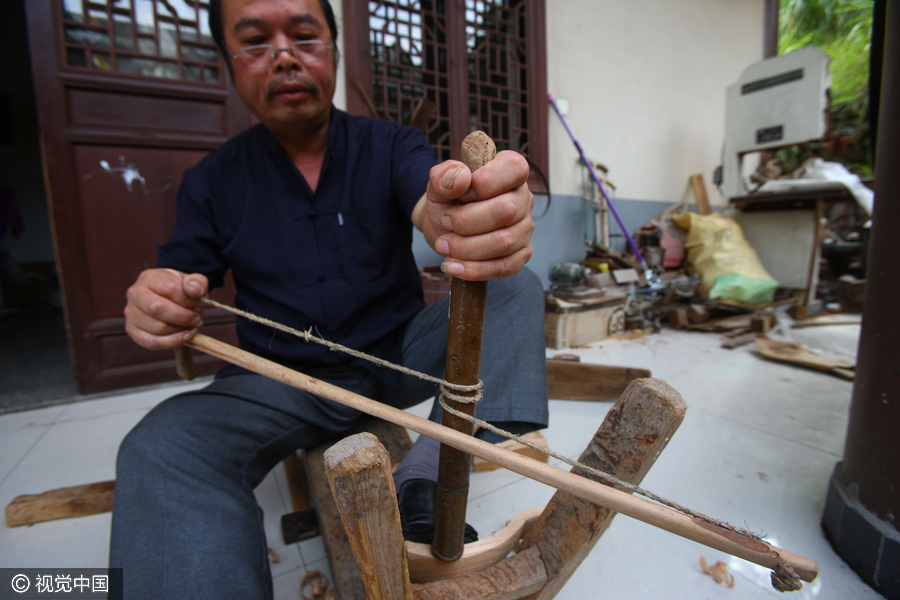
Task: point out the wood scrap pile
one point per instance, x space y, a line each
739 323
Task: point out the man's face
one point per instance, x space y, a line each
288 93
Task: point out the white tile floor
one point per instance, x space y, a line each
756 448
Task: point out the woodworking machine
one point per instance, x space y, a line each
778 102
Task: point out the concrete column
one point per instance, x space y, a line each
862 509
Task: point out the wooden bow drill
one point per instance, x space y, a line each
719 538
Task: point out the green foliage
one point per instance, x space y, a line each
842 29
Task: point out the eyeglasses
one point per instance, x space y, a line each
262 56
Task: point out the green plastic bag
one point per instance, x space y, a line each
720 254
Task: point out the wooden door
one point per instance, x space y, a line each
130 93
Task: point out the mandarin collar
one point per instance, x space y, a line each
335 127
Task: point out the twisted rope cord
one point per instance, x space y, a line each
783 577
309 337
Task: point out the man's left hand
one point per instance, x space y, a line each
479 222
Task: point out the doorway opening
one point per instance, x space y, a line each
35 365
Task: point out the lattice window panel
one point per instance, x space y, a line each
498 75
408 45
168 39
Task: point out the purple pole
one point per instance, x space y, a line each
648 273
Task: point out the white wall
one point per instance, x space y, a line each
645 81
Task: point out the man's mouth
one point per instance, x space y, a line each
291 90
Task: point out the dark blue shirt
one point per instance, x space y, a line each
338 261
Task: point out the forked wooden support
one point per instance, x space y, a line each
634 433
632 436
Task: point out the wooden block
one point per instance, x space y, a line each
62 503
345 574
632 436
568 380
678 317
762 323
511 578
799 312
697 313
623 276
568 324
535 437
359 473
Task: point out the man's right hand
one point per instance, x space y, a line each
164 308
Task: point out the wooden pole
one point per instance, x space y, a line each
359 473
464 335
699 188
716 537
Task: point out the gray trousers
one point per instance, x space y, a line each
186 523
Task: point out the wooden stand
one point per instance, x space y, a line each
632 436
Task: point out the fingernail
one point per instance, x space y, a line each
189 334
195 286
442 247
445 221
449 177
197 322
452 267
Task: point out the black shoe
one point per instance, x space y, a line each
417 499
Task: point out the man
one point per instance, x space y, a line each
312 210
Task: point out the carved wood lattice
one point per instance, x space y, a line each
498 77
167 39
408 45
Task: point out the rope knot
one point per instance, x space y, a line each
476 398
785 579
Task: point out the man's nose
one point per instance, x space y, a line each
286 58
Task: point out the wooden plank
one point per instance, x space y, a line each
795 354
723 323
815 255
569 380
700 196
828 320
62 503
632 436
535 437
345 574
739 340
477 556
359 473
511 578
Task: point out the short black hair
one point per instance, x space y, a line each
216 28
